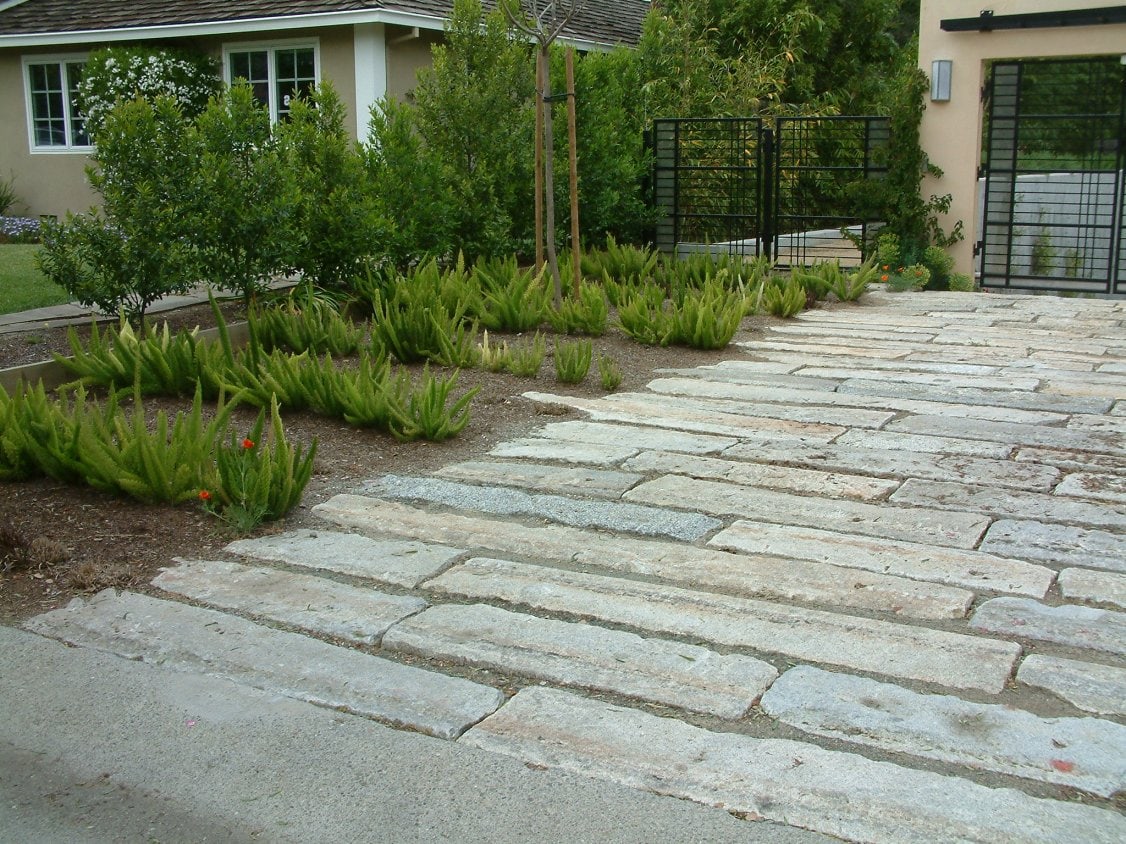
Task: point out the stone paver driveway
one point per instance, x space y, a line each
866 577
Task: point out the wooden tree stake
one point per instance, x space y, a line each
573 145
539 161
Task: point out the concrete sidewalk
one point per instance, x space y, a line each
94 748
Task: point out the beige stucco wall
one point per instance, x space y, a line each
49 182
951 131
405 58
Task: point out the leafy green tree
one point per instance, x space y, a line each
244 199
337 225
473 116
138 247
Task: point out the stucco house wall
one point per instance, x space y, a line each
951 131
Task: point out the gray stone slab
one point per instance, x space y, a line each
837 333
186 638
941 527
591 454
731 376
900 464
956 567
1099 486
895 650
1101 424
1074 626
1087 685
1084 753
948 442
931 379
1071 459
656 670
706 420
1102 587
1025 343
298 600
540 477
1085 387
1022 399
1009 433
399 563
762 398
704 568
841 794
763 475
1059 545
635 436
611 515
886 351
741 400
944 495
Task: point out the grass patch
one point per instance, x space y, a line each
22 286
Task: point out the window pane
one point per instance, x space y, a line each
254 68
78 136
306 68
47 114
287 68
239 65
295 76
260 66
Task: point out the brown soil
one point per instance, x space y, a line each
58 541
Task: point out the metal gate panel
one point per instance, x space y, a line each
1052 199
708 182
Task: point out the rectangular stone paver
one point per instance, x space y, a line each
635 436
837 793
591 454
948 442
901 464
656 670
1003 502
540 477
1009 433
1087 685
192 639
299 600
969 569
611 515
762 475
897 650
1070 459
941 527
704 568
400 563
936 380
1074 626
1098 586
1061 545
887 351
788 405
1083 753
1099 486
700 420
844 404
730 375
1021 399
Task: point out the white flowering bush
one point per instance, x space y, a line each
125 73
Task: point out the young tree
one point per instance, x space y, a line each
543 25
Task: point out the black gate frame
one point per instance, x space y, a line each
1081 247
784 191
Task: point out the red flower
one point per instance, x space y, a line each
204 495
883 278
248 443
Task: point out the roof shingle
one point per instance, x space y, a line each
602 22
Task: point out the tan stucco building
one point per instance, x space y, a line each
969 34
367 49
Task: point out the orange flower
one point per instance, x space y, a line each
248 443
887 267
883 278
204 495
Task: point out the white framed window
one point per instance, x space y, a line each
277 71
50 87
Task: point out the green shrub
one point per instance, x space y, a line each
510 299
163 363
425 318
259 477
708 318
784 299
962 282
848 287
643 316
589 314
139 246
914 277
609 372
305 321
620 261
8 196
525 359
427 414
572 361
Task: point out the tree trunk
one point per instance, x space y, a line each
539 162
549 180
573 150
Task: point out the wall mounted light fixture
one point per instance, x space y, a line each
942 71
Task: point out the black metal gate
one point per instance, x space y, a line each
788 192
1053 176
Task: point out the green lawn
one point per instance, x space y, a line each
22 286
